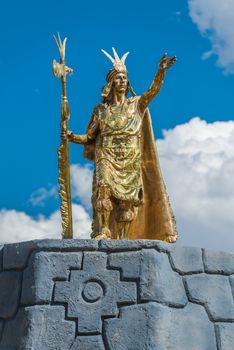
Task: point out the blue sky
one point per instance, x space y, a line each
30 95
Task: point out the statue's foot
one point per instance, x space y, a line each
104 234
171 239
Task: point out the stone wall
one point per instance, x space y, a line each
115 295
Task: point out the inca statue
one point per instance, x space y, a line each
129 197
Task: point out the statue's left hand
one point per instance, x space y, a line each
166 63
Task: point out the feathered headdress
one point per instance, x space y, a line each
119 64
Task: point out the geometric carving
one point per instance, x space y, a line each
137 294
94 293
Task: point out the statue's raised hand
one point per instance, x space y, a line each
166 63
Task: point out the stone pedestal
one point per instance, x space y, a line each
115 295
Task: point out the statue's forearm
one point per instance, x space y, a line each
80 139
156 84
86 138
154 89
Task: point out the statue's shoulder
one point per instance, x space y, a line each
98 109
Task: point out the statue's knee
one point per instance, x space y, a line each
104 204
126 212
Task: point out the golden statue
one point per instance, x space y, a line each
129 196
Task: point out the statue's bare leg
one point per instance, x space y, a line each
103 209
126 213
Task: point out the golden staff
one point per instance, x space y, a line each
61 70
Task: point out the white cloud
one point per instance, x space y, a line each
81 181
197 160
41 195
17 226
215 19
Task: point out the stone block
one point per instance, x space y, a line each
1 256
186 259
225 333
214 292
15 255
231 279
157 281
43 269
10 286
38 327
1 329
126 245
67 245
153 326
136 328
219 262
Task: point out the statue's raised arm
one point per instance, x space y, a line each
149 95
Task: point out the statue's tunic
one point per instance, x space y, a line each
121 143
118 150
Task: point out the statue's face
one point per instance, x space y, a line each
120 82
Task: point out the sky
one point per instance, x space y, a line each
192 116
